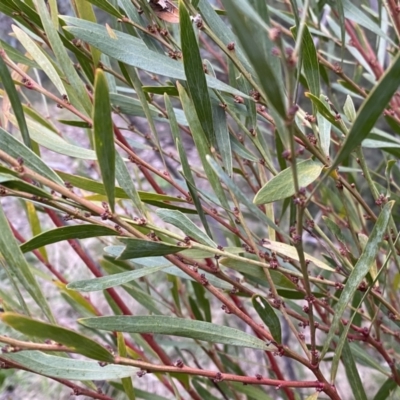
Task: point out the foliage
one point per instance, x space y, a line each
265 243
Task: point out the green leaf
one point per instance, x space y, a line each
194 71
252 391
250 30
323 109
107 7
133 51
281 186
203 148
37 54
12 93
16 56
352 373
18 267
371 109
104 135
50 140
164 325
324 127
169 90
386 390
16 149
136 248
182 222
268 316
360 270
68 368
310 60
12 182
187 172
223 139
33 328
63 57
125 180
105 282
97 187
65 233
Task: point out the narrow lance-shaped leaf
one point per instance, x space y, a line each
281 186
104 135
133 51
38 55
268 316
105 282
47 138
67 368
388 387
352 373
204 150
126 382
194 72
360 270
181 221
14 148
125 180
136 248
62 56
19 267
324 127
65 233
80 343
223 137
164 325
12 93
187 172
371 110
249 28
310 61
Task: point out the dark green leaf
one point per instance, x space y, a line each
248 27
136 248
194 71
310 61
12 182
385 391
169 90
12 93
16 149
65 233
352 373
104 135
268 316
371 109
33 328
